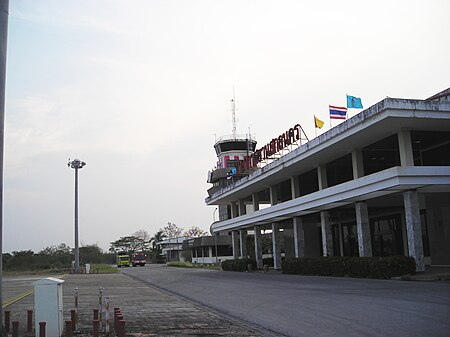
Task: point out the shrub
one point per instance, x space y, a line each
365 267
268 261
238 265
180 264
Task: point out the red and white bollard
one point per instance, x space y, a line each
118 319
100 304
69 329
73 318
107 315
15 329
42 329
29 320
116 313
96 327
7 320
121 332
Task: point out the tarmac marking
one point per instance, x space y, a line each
23 295
18 298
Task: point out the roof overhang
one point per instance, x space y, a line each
393 180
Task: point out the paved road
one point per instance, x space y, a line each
147 310
294 305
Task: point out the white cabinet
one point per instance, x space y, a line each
48 305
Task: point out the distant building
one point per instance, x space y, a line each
377 184
209 249
171 249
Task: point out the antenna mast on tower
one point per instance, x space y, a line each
233 113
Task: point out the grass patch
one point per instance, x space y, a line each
194 265
180 264
104 268
43 272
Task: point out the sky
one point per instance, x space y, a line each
139 90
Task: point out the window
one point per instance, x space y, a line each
350 239
431 148
225 250
387 236
381 155
340 170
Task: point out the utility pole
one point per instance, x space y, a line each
4 10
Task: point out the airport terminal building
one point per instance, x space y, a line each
377 184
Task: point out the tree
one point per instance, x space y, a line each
54 257
91 254
126 244
144 240
62 249
159 236
195 232
23 260
172 231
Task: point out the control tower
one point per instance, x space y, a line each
231 150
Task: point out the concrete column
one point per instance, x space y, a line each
295 190
210 253
341 241
299 237
357 164
363 229
276 246
258 247
322 175
243 240
233 210
203 255
405 148
255 201
235 243
327 239
273 195
241 206
414 228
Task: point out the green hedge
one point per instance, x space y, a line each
366 267
238 265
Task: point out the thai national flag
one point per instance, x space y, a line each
337 112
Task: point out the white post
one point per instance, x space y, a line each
100 305
107 315
76 310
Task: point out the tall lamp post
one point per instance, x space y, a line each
4 9
76 164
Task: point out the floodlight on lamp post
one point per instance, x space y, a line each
76 164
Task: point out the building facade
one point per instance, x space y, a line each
209 249
172 249
377 184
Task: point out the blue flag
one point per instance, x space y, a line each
354 102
